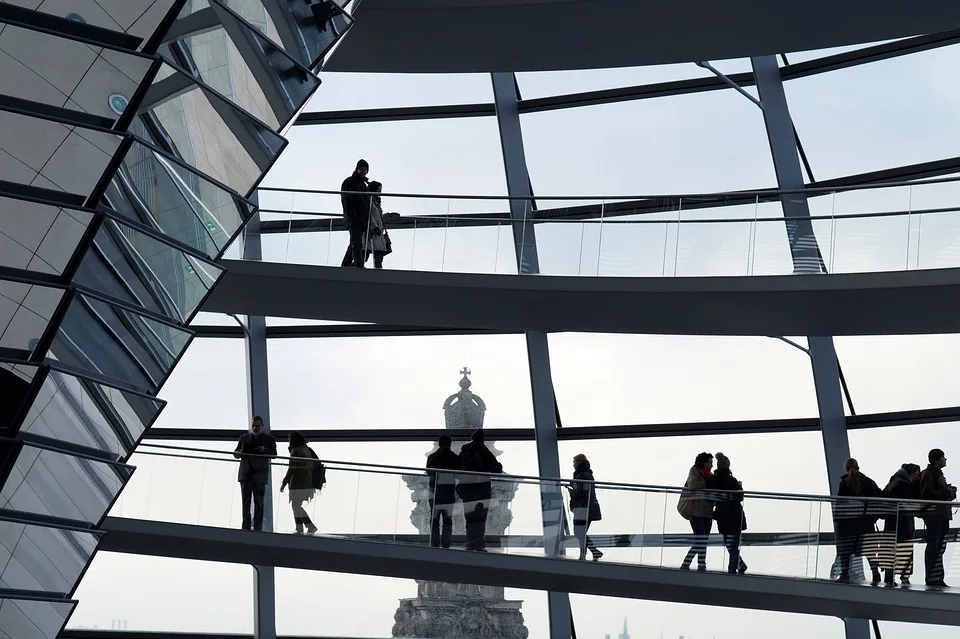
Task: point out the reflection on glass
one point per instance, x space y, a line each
46 482
43 559
206 131
305 30
238 61
34 619
83 412
154 190
112 341
137 268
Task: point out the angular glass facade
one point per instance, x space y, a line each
132 133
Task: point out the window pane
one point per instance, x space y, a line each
43 559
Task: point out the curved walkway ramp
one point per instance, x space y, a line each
461 36
888 303
528 572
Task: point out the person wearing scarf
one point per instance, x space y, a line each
696 507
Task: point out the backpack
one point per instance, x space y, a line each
319 471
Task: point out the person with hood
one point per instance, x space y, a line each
936 518
356 209
728 512
443 491
696 507
300 479
852 518
254 450
899 526
584 506
376 240
476 490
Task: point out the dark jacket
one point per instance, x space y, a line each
476 457
356 208
256 465
728 505
583 496
853 517
934 487
300 468
900 518
443 485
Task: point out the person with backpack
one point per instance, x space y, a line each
305 476
476 490
443 491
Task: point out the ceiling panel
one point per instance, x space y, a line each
39 237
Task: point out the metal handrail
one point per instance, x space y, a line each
406 470
813 190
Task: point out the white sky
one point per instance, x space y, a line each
867 118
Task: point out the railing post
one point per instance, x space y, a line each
506 97
806 260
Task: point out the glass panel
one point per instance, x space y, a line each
727 377
15 380
25 311
46 482
31 619
356 91
115 342
39 237
42 153
164 195
241 63
206 131
137 268
543 84
82 412
499 376
65 73
43 559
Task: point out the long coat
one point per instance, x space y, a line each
695 496
728 508
583 496
852 517
375 237
300 472
901 519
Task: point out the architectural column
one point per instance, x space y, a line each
506 97
806 260
258 400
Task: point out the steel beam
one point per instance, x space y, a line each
805 252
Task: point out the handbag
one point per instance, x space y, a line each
389 244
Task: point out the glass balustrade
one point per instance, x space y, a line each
863 229
787 536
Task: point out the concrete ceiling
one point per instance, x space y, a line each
460 36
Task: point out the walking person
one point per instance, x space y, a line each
696 507
853 520
300 479
443 491
899 527
584 506
356 209
476 490
936 518
728 512
376 239
254 450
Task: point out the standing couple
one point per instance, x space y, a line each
363 217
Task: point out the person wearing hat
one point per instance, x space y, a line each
356 208
476 489
899 526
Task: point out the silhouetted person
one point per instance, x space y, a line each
355 213
696 507
853 518
376 239
899 527
584 506
254 450
728 512
476 490
443 491
300 479
936 518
